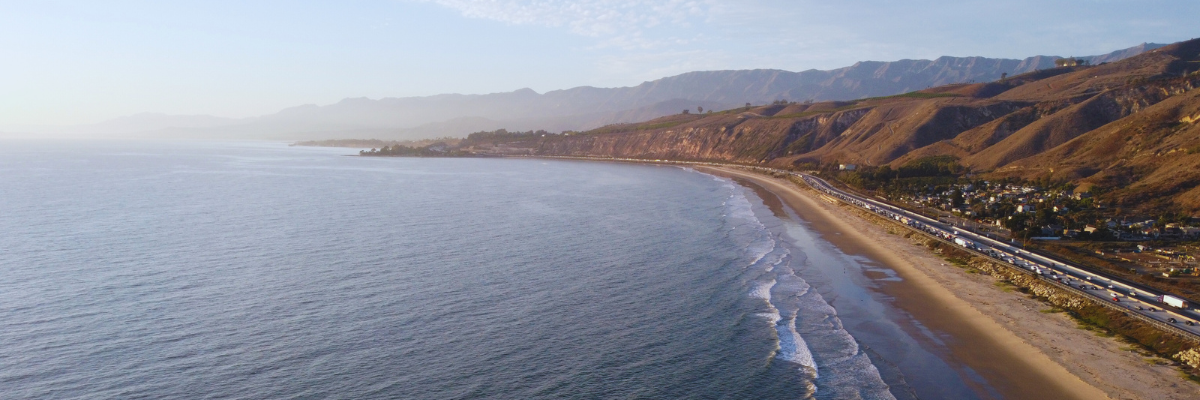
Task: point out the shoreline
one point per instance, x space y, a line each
1020 351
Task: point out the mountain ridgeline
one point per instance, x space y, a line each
588 107
1130 127
582 108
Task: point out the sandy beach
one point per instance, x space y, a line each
1003 336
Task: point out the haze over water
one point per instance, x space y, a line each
235 270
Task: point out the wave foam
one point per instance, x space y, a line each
763 291
808 331
793 348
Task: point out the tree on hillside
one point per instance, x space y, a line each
956 198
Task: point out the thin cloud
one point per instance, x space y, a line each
591 18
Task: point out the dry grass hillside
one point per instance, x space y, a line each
1129 126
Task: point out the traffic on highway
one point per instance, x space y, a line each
1157 306
1153 306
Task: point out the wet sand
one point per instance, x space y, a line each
1000 337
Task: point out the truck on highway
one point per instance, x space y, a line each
964 243
1172 301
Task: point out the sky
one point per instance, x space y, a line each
79 62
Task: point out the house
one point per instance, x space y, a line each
1026 208
1070 62
1090 229
1143 224
1050 230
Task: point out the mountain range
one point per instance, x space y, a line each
1129 129
585 107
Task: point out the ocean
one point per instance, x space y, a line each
176 269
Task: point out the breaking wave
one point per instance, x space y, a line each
808 333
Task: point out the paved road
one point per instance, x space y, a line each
1132 297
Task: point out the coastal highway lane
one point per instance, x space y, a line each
1128 296
1132 298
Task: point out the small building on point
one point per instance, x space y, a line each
1069 62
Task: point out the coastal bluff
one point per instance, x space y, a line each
1129 125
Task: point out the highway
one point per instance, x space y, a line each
1134 298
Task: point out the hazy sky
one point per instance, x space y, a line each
68 62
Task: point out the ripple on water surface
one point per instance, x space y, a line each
246 270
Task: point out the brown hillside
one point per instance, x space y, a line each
974 90
1155 151
1130 126
893 130
981 137
1057 128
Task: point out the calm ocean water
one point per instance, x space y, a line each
260 271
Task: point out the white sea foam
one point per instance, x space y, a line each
809 333
762 290
771 317
741 213
793 348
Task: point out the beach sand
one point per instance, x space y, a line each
1021 352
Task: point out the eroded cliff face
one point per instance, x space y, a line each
745 137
